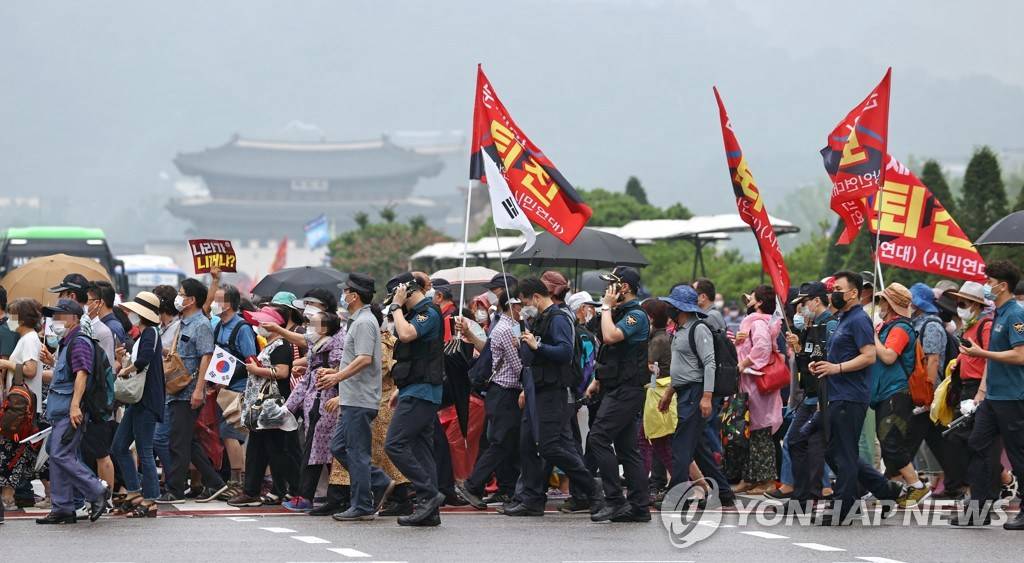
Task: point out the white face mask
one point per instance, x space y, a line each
481 316
12 323
216 309
799 322
311 311
492 298
262 332
529 312
179 303
719 304
134 319
965 314
59 328
430 293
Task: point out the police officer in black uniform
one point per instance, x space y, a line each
806 434
621 374
418 373
548 352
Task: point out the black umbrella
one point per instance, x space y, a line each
300 280
591 249
1007 231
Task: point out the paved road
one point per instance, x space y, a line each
470 536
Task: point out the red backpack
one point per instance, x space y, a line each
18 411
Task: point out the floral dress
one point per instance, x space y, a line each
325 353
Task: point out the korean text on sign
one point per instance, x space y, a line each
210 253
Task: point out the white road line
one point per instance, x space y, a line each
241 519
819 547
310 539
879 560
766 535
348 552
279 530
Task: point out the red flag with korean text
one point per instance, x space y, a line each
751 206
544 195
917 233
854 158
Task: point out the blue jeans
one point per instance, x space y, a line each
138 425
352 444
162 439
67 472
690 441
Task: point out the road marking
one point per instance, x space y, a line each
766 535
348 552
819 547
310 539
879 560
279 530
241 519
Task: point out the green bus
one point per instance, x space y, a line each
18 245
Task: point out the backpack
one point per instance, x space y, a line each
241 373
98 401
17 413
921 390
584 359
727 370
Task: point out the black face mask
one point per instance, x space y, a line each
837 299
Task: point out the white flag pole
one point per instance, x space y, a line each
465 247
501 261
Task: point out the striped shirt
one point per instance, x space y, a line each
505 354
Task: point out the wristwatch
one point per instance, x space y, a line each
605 308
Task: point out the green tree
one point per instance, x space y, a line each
983 200
388 214
1019 204
362 219
635 190
932 177
381 249
417 222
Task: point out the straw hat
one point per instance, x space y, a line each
145 305
898 297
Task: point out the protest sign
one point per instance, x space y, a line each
210 253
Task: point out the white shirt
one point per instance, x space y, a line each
26 350
103 335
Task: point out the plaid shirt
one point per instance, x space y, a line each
505 354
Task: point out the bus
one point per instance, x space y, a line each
18 245
146 271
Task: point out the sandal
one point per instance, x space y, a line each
147 509
128 504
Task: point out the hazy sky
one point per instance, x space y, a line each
97 97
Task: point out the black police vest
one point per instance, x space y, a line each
419 361
813 348
547 373
623 363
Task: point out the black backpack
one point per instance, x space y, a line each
952 344
98 400
241 373
727 371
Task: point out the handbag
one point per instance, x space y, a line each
176 377
230 403
776 374
128 390
268 411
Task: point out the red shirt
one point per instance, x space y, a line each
970 366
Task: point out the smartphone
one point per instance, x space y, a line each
517 331
965 343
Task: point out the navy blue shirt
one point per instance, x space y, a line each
556 345
853 332
115 328
427 322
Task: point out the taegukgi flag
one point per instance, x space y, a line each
504 207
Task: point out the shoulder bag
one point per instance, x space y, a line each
176 377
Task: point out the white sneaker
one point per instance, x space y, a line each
83 511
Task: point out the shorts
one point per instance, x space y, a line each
892 426
230 432
97 440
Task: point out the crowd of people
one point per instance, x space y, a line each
335 403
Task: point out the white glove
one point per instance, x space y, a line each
967 407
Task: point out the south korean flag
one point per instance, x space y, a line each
504 207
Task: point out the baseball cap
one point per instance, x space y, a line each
70 282
64 307
624 274
810 290
363 283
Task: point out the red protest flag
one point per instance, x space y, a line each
751 206
281 257
854 158
917 233
541 191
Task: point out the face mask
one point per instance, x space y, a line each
216 309
133 319
588 317
837 299
311 335
179 303
529 312
430 294
59 328
310 311
799 322
481 316
719 304
492 298
12 323
52 341
965 314
262 332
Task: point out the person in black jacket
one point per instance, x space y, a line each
548 353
